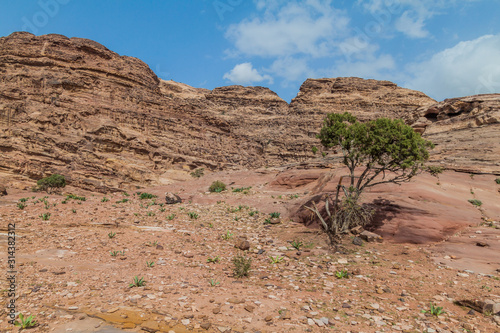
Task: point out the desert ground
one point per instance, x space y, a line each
78 252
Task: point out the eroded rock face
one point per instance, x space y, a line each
466 132
106 122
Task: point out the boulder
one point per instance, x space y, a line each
371 237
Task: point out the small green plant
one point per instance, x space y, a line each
275 215
343 274
73 211
314 149
213 282
214 260
23 199
497 180
217 186
154 244
486 288
162 210
434 310
20 205
293 196
227 235
276 260
267 221
144 195
241 189
242 266
75 197
236 218
475 202
151 213
171 217
104 199
138 282
124 200
197 173
27 322
112 234
210 225
297 245
435 170
193 215
45 216
115 253
253 212
150 264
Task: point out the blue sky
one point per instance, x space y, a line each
445 48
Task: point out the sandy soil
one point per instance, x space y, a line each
74 269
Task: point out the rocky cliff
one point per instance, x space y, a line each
107 122
466 132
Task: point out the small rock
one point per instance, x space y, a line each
357 241
249 308
205 325
268 318
171 198
242 244
371 237
482 244
319 322
346 306
185 322
216 310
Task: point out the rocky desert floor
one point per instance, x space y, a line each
76 257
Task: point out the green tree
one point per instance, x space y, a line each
376 152
51 182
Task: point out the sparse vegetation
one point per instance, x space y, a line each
104 199
197 173
150 264
227 235
497 180
217 186
314 149
242 266
342 274
435 170
213 282
137 282
242 189
475 202
434 310
112 234
27 322
275 215
124 200
171 217
45 216
193 215
275 260
144 195
50 183
296 244
214 260
21 205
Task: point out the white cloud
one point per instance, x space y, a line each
291 69
297 27
409 16
468 68
245 74
411 25
375 67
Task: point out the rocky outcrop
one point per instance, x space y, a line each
465 130
107 122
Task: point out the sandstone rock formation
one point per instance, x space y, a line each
466 132
107 122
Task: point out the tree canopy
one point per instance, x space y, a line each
382 147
